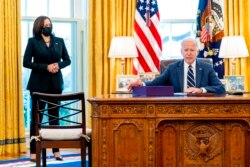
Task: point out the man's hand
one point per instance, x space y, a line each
138 82
194 90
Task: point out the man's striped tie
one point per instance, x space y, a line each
190 77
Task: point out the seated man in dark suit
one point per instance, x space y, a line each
188 75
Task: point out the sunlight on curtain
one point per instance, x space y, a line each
106 20
12 132
236 20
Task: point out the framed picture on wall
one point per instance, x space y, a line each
122 82
234 82
149 76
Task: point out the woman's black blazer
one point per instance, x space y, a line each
38 56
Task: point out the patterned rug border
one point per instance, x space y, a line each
50 160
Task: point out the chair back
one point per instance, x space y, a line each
70 107
63 130
165 63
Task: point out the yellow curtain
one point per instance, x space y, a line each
236 20
107 18
12 131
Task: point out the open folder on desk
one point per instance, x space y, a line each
193 94
180 94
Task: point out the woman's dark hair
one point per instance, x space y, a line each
38 25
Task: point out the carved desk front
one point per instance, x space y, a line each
170 131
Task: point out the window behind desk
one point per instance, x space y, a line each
178 21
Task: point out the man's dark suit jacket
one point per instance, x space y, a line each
38 56
174 76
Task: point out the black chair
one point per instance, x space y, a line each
165 63
72 135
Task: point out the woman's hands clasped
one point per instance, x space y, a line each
53 68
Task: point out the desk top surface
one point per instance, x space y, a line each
245 98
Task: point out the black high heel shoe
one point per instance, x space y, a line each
59 158
32 157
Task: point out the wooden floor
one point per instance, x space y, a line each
13 156
27 155
49 152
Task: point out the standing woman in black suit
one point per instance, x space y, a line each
45 55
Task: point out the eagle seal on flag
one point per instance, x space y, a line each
210 30
211 23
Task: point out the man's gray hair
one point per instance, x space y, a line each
189 39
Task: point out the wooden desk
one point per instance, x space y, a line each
170 131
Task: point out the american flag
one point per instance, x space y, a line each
205 31
205 36
147 37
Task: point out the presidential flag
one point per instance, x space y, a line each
147 37
210 30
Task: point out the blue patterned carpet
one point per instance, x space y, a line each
72 160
